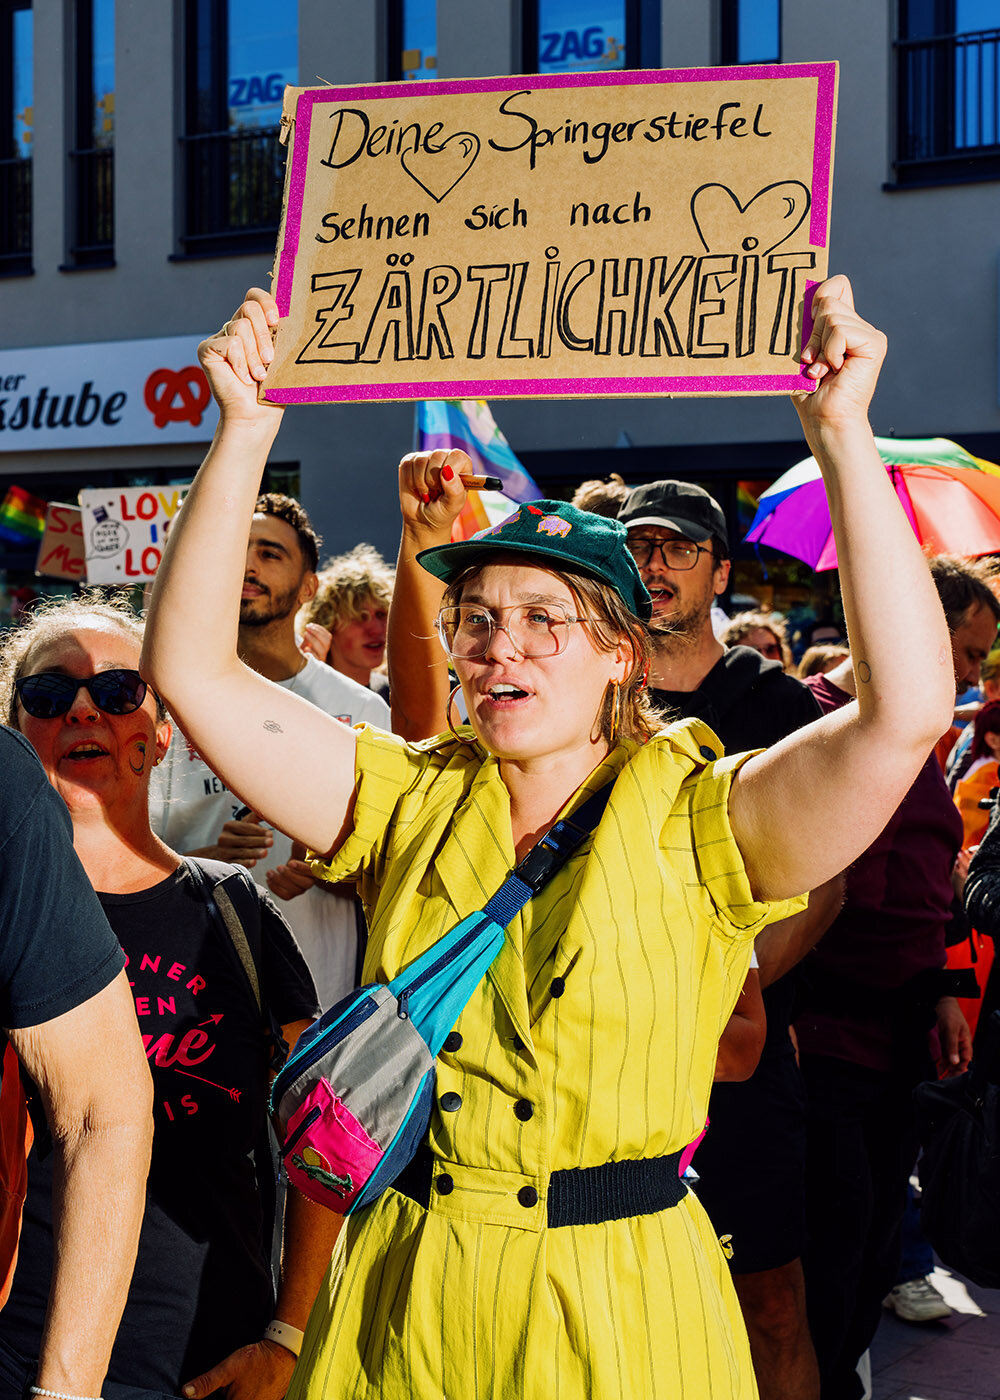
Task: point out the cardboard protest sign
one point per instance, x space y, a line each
124 530
60 550
630 233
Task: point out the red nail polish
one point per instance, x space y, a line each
447 472
426 499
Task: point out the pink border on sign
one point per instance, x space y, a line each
575 387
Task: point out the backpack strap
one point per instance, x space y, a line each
232 899
236 928
233 902
233 906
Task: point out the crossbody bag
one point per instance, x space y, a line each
353 1103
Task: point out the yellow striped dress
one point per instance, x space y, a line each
602 1014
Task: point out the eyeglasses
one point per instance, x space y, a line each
50 694
534 629
676 554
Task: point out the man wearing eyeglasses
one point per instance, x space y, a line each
678 536
752 1161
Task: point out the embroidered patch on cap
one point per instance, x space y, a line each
495 529
559 531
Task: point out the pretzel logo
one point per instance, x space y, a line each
165 387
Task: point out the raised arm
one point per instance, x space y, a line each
94 1084
431 497
287 759
812 803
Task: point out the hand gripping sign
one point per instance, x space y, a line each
632 233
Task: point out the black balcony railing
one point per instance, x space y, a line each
94 206
949 106
15 215
233 182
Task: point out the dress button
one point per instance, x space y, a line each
451 1102
528 1197
445 1184
523 1110
558 986
452 1042
518 1044
708 753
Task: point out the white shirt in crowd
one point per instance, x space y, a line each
189 805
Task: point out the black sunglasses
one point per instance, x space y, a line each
49 694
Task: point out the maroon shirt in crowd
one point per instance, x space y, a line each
898 904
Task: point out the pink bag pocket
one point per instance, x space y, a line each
329 1157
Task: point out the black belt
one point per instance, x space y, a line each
585 1196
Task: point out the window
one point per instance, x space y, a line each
751 31
412 39
590 36
948 66
92 157
16 116
239 58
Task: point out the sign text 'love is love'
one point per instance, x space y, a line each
634 233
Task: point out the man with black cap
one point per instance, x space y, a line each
752 1161
677 533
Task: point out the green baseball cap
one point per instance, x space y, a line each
557 533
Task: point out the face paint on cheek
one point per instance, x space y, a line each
137 755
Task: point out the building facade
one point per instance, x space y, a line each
140 187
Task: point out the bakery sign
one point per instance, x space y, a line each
117 393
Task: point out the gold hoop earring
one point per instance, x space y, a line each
616 712
451 696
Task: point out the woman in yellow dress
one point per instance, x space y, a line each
540 1244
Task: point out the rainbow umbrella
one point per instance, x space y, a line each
952 501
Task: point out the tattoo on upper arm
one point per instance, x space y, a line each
273 727
864 671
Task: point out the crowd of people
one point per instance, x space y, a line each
672 1135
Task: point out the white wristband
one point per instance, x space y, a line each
285 1335
58 1394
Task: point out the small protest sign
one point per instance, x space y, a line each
629 233
124 530
60 550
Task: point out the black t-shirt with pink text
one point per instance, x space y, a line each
202 1283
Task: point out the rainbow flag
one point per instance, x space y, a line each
746 505
469 424
22 516
482 510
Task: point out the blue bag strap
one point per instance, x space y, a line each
434 989
545 858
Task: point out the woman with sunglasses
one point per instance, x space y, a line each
541 1245
201 1298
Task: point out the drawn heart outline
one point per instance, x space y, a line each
428 166
783 207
